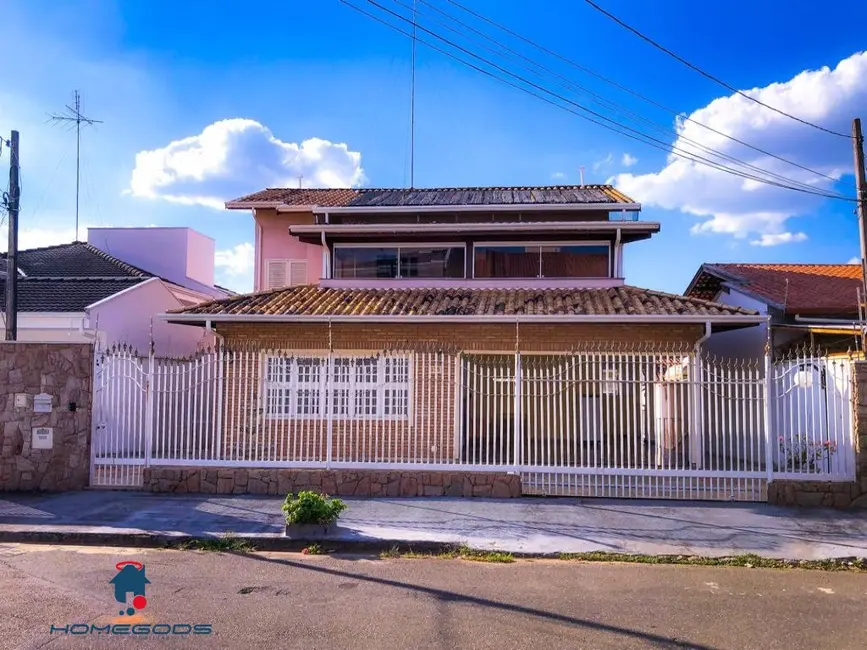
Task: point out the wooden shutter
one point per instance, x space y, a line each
285 273
297 273
276 272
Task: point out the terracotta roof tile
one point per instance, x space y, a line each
829 289
325 302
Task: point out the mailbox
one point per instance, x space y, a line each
42 403
43 438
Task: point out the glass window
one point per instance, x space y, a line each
365 262
567 261
575 261
351 387
431 262
400 262
506 261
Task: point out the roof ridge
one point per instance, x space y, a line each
82 278
443 188
126 266
782 263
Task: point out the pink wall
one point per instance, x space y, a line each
200 257
275 242
126 318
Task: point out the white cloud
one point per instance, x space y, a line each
779 238
41 237
854 260
628 160
558 176
233 157
605 162
234 267
728 204
237 260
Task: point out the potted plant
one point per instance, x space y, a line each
310 515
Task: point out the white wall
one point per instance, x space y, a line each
743 343
180 255
127 317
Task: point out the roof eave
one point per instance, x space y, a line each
743 319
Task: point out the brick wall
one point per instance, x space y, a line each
494 337
65 372
427 436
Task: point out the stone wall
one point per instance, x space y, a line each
65 372
823 493
360 483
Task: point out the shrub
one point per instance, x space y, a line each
312 508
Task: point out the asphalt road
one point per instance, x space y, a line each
272 600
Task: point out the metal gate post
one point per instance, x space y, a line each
518 416
149 407
767 403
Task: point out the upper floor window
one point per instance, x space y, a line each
412 261
566 260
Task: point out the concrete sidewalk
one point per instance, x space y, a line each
528 525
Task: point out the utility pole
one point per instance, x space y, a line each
861 195
12 204
74 115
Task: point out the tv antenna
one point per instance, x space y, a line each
72 115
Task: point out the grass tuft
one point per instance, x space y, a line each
225 543
748 561
462 552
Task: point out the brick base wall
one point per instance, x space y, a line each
361 483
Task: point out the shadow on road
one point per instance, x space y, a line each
454 597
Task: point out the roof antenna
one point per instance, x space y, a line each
581 172
412 103
300 178
74 115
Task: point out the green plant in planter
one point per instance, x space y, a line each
312 508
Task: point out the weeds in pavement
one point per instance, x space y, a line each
749 561
225 543
313 549
462 552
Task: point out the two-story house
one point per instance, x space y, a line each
421 324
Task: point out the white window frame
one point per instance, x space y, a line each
398 246
327 388
540 245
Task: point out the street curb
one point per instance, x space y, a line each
168 541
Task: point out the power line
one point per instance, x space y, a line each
707 74
614 105
611 82
629 132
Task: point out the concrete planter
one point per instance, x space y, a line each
309 532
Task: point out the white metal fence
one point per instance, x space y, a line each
639 422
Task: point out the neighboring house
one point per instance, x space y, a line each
88 292
807 304
417 262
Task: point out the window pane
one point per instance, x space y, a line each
575 261
506 261
365 262
309 371
366 370
431 262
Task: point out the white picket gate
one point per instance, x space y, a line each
602 421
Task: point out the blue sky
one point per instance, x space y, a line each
321 86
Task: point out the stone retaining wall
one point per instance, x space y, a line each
360 483
65 372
